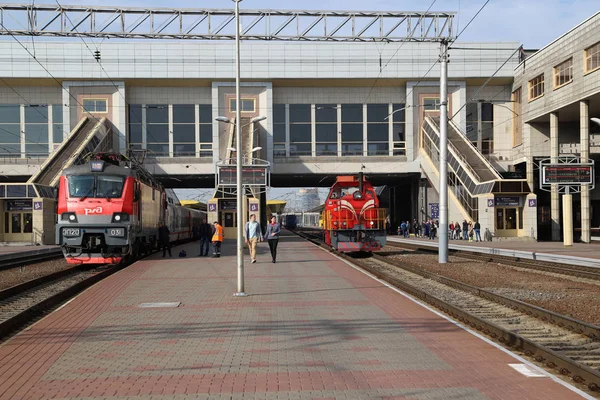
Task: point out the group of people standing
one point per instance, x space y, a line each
466 231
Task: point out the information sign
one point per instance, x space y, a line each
567 174
507 201
251 175
18 205
435 210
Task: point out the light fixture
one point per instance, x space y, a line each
596 120
223 119
257 119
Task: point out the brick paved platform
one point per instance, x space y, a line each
312 328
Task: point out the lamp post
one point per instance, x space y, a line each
239 188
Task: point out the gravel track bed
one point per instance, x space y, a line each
578 347
575 297
20 302
14 276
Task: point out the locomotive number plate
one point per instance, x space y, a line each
116 232
71 232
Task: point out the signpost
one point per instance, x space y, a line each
570 174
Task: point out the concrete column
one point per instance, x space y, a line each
554 195
584 144
479 128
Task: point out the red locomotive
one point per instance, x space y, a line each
109 209
352 219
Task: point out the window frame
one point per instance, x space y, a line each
557 70
586 55
531 85
242 99
517 119
95 107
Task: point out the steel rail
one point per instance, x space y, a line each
15 260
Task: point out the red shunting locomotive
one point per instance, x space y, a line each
352 219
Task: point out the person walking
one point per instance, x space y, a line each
477 228
253 235
217 239
204 231
163 239
273 230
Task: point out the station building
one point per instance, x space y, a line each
330 108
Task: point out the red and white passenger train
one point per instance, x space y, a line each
352 219
109 210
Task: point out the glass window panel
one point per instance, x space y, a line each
157 114
326 112
206 133
184 150
57 113
300 149
300 133
487 112
326 133
95 105
16 191
27 222
157 133
184 133
377 112
10 113
279 133
353 149
36 133
352 132
135 113
135 133
378 149
377 132
58 133
205 113
248 105
36 149
326 149
299 113
10 133
398 133
10 150
279 113
431 104
184 113
352 113
36 114
16 222
158 150
279 150
399 116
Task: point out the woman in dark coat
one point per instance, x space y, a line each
272 236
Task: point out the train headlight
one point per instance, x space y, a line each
335 209
372 223
68 216
344 223
120 217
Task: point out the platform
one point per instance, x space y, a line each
6 252
578 254
313 327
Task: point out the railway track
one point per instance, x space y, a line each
15 260
564 344
570 270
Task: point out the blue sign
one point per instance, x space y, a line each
253 206
490 202
435 210
37 205
212 207
532 202
97 166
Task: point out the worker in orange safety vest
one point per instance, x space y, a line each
217 239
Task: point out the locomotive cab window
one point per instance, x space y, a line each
104 186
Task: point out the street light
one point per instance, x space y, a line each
595 120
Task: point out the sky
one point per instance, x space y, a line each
532 23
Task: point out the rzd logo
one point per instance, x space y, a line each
97 210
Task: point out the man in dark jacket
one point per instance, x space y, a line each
205 231
163 239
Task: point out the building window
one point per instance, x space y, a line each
36 130
378 130
95 105
536 87
517 119
248 105
300 130
58 134
279 126
184 130
10 130
326 131
352 129
157 130
487 128
592 58
431 104
397 119
206 131
135 127
563 73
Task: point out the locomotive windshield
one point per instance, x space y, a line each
99 186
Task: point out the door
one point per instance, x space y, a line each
18 226
228 221
509 221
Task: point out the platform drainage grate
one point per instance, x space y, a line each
160 305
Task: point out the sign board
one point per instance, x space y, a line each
490 202
251 175
18 205
212 207
254 207
37 205
228 205
567 174
532 202
435 210
507 201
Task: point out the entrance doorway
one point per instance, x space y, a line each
509 221
229 222
18 226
